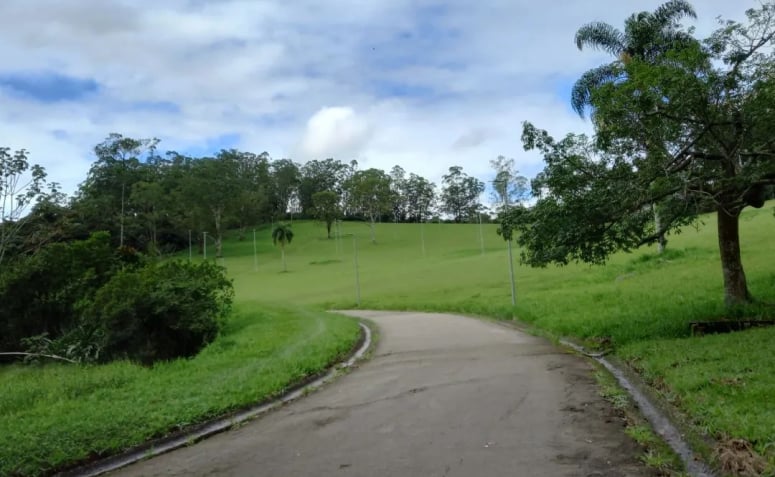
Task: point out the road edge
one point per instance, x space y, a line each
224 423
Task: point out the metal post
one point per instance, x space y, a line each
511 275
336 236
481 235
357 276
255 253
422 237
204 240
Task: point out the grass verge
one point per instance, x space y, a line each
723 383
55 416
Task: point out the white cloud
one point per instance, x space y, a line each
335 132
422 84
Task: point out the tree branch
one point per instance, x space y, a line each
51 356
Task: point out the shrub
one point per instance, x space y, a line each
40 294
160 311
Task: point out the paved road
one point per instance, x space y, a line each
443 395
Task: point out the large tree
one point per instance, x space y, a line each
327 208
508 187
460 194
420 198
120 164
369 195
211 189
317 176
285 178
21 184
694 123
646 36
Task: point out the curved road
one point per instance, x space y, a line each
443 395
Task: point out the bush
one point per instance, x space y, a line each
160 311
41 294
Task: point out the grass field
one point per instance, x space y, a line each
640 302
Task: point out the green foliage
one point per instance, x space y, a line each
282 234
327 208
160 311
43 294
685 128
369 195
17 192
646 36
86 301
318 176
460 195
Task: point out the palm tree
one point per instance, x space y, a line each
282 234
646 36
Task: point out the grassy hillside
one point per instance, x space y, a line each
641 302
635 296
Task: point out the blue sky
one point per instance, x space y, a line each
420 83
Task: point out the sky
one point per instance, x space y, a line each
421 84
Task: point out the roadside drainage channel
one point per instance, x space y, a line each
659 422
217 426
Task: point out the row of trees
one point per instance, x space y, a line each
683 126
152 202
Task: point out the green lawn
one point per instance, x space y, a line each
54 415
725 382
641 302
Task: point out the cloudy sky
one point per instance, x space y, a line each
422 84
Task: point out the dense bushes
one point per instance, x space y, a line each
159 311
87 301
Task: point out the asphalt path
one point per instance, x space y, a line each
443 395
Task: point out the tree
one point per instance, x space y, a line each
646 36
282 234
150 200
370 195
327 208
509 187
17 191
317 176
118 166
285 178
420 198
212 189
704 111
398 187
460 194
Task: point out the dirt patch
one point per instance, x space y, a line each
737 457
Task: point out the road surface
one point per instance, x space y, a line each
443 395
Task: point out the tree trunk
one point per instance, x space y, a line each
218 241
661 240
282 252
121 234
735 286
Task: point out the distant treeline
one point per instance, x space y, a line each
152 201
